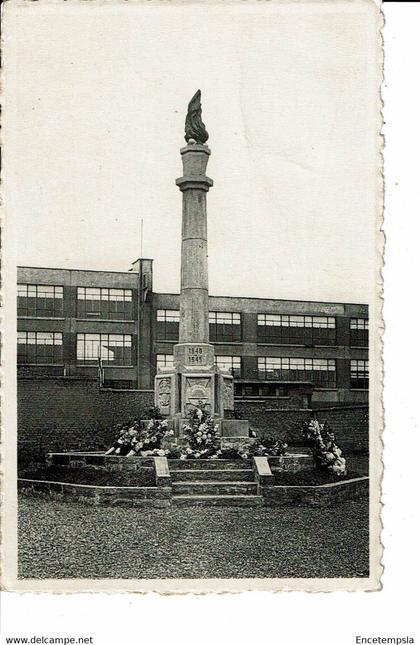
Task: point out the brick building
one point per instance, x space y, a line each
68 319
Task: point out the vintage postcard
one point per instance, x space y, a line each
192 255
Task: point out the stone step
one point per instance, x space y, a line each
209 464
244 475
218 500
214 488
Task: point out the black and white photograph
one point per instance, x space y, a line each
193 215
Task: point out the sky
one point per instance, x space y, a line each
290 100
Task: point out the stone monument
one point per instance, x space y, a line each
194 380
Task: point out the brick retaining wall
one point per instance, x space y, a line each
57 414
350 423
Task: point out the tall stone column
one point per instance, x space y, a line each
193 350
194 184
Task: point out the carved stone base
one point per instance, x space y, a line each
177 392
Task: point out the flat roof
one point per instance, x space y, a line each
315 302
160 293
20 266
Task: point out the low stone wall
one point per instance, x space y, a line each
323 495
159 497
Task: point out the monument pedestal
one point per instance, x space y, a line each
178 391
193 382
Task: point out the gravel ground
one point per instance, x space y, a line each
59 539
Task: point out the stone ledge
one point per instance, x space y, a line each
291 463
108 495
99 460
160 497
322 495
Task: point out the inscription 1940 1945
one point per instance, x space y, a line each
195 356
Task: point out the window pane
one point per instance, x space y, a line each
164 360
45 292
93 293
320 371
224 326
40 347
40 300
359 374
296 330
359 332
111 348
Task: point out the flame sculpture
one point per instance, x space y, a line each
194 126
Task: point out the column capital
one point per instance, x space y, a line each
200 182
196 147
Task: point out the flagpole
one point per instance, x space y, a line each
140 302
141 237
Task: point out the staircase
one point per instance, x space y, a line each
219 482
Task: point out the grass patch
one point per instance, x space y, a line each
92 476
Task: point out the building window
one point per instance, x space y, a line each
101 302
224 327
320 371
164 360
167 324
359 374
112 349
359 332
264 390
247 390
39 300
296 330
39 347
231 364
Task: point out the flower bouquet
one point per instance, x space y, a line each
255 447
201 436
135 440
268 447
327 455
124 437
